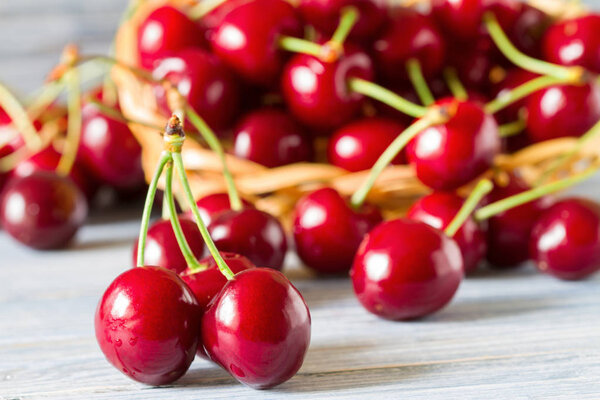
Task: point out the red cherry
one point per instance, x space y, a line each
406 269
409 35
246 39
565 241
563 110
327 231
460 18
42 210
325 15
317 93
514 77
162 249
357 145
529 28
147 325
509 232
209 87
272 138
452 154
258 328
164 31
251 233
574 42
214 204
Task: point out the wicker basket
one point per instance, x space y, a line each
276 190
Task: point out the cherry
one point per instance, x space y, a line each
109 151
162 249
251 233
147 325
529 29
164 31
406 269
272 138
214 204
474 67
565 241
325 14
317 92
460 18
209 87
452 154
509 232
357 145
247 38
514 77
327 231
562 110
438 210
42 210
409 35
574 42
258 328
7 148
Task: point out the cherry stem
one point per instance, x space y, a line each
71 145
483 187
298 45
116 115
524 61
19 117
520 92
348 19
512 128
530 195
386 96
415 74
165 157
49 93
204 7
436 115
455 85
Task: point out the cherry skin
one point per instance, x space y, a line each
514 77
449 155
574 42
357 145
162 248
246 39
147 325
328 231
214 204
317 93
409 35
210 88
42 210
258 328
406 269
565 241
438 210
251 233
529 28
509 232
272 138
562 110
460 18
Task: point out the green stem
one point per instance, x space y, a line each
386 96
71 146
48 94
512 128
348 19
455 85
297 45
524 61
531 195
19 117
165 157
521 92
483 187
415 74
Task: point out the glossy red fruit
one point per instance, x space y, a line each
438 210
42 210
147 325
258 328
325 16
564 110
409 35
246 38
165 31
272 138
214 204
357 145
509 232
474 67
514 77
162 249
449 155
251 233
459 18
210 88
328 231
565 241
406 269
529 28
317 92
574 41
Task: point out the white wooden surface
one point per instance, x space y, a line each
515 335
